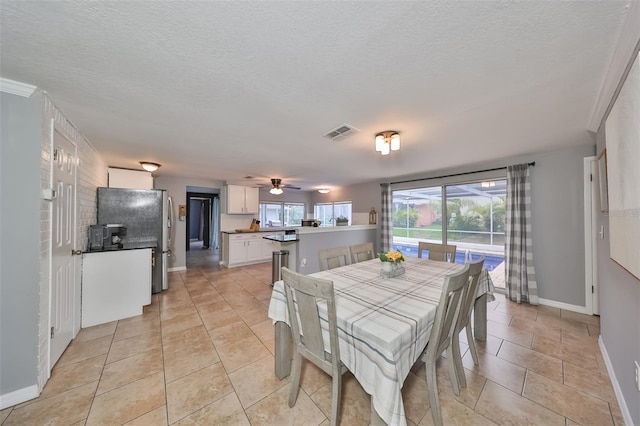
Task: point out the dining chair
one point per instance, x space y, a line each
333 258
361 252
440 339
438 251
464 321
305 292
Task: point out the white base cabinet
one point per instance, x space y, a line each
247 248
115 285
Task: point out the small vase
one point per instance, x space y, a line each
387 266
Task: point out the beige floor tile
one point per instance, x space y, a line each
618 418
576 405
176 341
183 309
192 358
73 375
181 322
97 331
566 352
274 410
5 413
574 327
507 408
524 311
254 317
490 346
197 390
213 307
594 330
546 365
256 381
312 378
230 333
415 397
134 345
500 317
583 342
538 329
81 351
469 395
126 330
155 417
221 319
264 330
455 414
587 319
66 408
498 370
225 411
130 369
271 346
590 382
355 408
243 352
128 402
522 338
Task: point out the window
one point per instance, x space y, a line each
327 213
469 215
277 215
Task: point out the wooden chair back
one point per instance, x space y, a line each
361 252
441 252
333 258
475 268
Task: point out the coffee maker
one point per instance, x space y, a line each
106 237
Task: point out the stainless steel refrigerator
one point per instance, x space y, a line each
146 213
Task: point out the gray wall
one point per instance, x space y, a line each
362 196
309 245
20 124
619 313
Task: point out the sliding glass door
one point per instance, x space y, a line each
469 215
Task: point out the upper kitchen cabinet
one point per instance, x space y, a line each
130 179
242 199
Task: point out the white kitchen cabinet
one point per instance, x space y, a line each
242 199
115 285
132 179
242 249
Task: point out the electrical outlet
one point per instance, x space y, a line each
637 375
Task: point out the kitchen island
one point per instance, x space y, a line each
304 245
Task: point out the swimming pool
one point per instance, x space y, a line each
490 261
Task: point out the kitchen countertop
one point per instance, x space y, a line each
128 245
308 229
262 230
282 238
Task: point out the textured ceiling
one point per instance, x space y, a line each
221 90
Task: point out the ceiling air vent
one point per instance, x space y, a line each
340 133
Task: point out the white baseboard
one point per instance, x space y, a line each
565 306
16 397
177 269
614 382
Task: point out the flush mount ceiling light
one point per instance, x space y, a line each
149 166
387 141
323 190
276 189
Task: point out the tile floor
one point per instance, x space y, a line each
202 353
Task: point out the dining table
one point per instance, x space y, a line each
384 324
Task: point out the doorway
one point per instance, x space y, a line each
202 227
591 234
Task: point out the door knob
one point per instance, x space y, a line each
76 252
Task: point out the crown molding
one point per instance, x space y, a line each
620 63
16 88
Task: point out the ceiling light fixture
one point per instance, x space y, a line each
276 189
149 166
387 141
323 190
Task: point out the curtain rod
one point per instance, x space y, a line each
533 163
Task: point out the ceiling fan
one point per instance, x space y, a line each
277 186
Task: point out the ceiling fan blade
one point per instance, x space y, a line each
290 187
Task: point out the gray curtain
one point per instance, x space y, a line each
386 220
520 274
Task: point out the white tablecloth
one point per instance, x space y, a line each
383 323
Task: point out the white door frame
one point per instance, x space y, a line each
592 303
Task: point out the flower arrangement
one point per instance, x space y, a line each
394 256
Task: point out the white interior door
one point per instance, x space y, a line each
63 292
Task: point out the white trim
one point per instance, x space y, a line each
614 382
18 396
565 306
177 268
627 43
16 88
590 272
